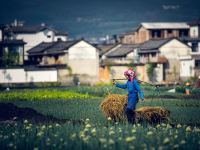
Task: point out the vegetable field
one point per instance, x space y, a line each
83 125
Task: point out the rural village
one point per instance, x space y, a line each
160 52
136 90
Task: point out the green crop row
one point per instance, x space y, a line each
90 136
31 95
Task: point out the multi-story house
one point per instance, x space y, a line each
156 30
192 61
32 35
165 54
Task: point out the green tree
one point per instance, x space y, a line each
150 70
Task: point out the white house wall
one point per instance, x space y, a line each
187 68
130 55
174 49
194 32
35 39
84 59
59 37
117 72
22 76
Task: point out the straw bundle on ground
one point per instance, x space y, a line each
152 114
114 106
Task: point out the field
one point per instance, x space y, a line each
70 118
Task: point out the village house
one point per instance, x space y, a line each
165 54
190 65
32 35
116 60
156 30
11 53
72 58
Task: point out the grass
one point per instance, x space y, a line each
82 103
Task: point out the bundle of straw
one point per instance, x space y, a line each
152 114
114 106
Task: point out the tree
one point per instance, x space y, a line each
150 70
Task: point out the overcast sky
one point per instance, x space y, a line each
93 18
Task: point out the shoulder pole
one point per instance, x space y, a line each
140 82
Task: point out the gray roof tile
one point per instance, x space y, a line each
53 47
122 50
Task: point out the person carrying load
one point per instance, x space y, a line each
133 88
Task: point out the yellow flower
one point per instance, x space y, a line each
133 130
169 126
150 133
35 148
93 131
86 139
111 132
111 141
182 142
39 133
158 126
88 126
188 129
43 127
25 121
166 141
109 118
102 140
130 139
10 144
73 136
176 146
57 125
178 126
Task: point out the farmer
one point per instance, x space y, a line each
133 90
187 88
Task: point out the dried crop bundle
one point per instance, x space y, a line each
114 106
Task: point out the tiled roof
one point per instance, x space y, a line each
152 45
10 42
53 47
105 47
165 25
61 33
122 50
189 39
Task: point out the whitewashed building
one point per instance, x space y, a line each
33 35
190 65
78 58
165 54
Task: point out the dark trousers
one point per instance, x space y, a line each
130 115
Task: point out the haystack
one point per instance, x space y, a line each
114 106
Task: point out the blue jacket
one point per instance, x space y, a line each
133 90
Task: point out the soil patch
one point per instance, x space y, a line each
11 112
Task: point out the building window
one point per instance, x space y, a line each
169 31
48 36
11 56
183 33
156 33
195 47
197 63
